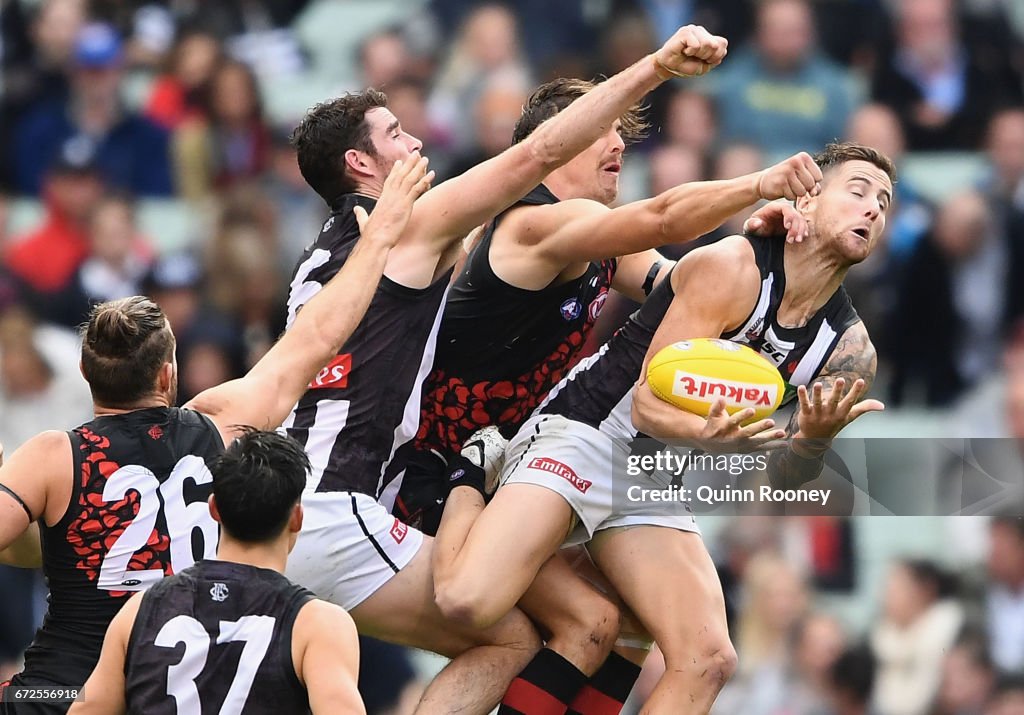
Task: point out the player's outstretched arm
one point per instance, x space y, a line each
455 207
580 230
104 691
265 396
326 655
833 402
707 283
25 480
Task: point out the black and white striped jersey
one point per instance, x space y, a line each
599 391
365 403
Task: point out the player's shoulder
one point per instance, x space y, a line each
319 619
727 263
533 223
46 448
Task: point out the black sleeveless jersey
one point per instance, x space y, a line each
363 404
137 513
216 638
599 391
501 348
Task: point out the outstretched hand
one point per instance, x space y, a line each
725 433
820 417
407 181
775 218
691 52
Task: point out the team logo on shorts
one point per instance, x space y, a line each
328 224
219 592
571 309
564 471
398 531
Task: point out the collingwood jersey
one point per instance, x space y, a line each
216 638
599 391
500 347
364 404
137 513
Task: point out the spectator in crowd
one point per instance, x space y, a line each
486 47
1008 698
780 93
959 278
37 55
130 151
495 115
851 681
933 81
968 676
299 212
920 622
47 257
258 32
729 18
177 95
690 121
383 58
1005 151
820 640
1005 597
230 143
175 282
118 259
775 599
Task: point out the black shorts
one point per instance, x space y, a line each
420 500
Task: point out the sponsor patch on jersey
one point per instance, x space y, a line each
571 309
545 464
398 531
219 592
334 374
597 305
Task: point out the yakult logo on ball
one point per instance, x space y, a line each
563 470
745 394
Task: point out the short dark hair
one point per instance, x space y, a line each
933 577
1012 520
329 130
853 673
257 482
552 97
124 345
837 154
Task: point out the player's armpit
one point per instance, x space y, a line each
104 691
325 649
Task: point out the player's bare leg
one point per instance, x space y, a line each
484 661
580 622
667 579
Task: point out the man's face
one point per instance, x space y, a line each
595 171
390 142
850 212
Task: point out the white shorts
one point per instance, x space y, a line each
349 547
579 462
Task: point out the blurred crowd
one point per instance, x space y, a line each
121 117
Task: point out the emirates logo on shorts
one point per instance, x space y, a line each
564 471
398 531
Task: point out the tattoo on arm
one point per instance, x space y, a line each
853 358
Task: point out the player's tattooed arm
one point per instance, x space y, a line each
832 403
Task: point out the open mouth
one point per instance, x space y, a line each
862 232
613 168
